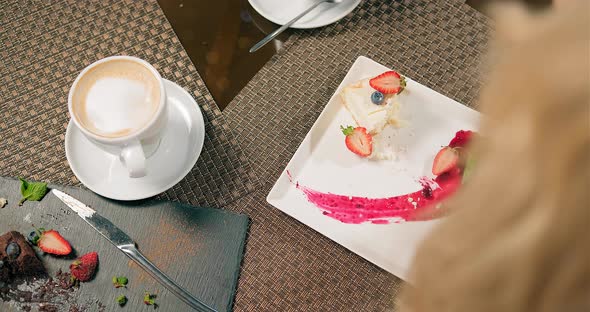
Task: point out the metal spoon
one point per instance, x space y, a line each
275 33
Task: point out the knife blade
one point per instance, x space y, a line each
122 241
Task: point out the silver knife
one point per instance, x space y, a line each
118 238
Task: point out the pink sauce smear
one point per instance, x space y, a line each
416 206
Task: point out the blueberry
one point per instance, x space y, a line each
377 98
33 238
12 250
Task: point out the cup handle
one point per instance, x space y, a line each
133 158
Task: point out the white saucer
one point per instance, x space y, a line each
280 12
178 152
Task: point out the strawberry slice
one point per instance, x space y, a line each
445 160
389 82
462 138
358 140
52 242
84 267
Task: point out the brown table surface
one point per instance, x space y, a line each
217 36
287 266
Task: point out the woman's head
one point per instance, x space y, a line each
518 238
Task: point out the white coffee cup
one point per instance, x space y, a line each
119 104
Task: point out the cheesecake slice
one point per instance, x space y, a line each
374 117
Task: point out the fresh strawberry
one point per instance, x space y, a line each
52 242
84 267
389 82
445 160
461 139
358 140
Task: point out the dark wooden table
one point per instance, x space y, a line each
217 36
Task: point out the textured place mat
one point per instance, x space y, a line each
287 266
290 267
44 45
437 43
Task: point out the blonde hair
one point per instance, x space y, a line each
518 237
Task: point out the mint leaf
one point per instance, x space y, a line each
121 300
120 281
150 299
32 191
469 165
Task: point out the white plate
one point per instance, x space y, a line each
178 152
281 11
323 163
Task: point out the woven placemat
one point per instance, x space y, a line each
437 43
44 45
290 267
287 265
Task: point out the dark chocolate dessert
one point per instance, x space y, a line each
17 258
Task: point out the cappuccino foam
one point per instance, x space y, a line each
116 98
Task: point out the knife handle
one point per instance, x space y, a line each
131 251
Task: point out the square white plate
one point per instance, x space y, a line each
323 163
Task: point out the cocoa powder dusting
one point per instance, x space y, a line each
172 241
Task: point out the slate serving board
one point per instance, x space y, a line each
200 248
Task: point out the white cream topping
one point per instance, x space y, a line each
357 99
